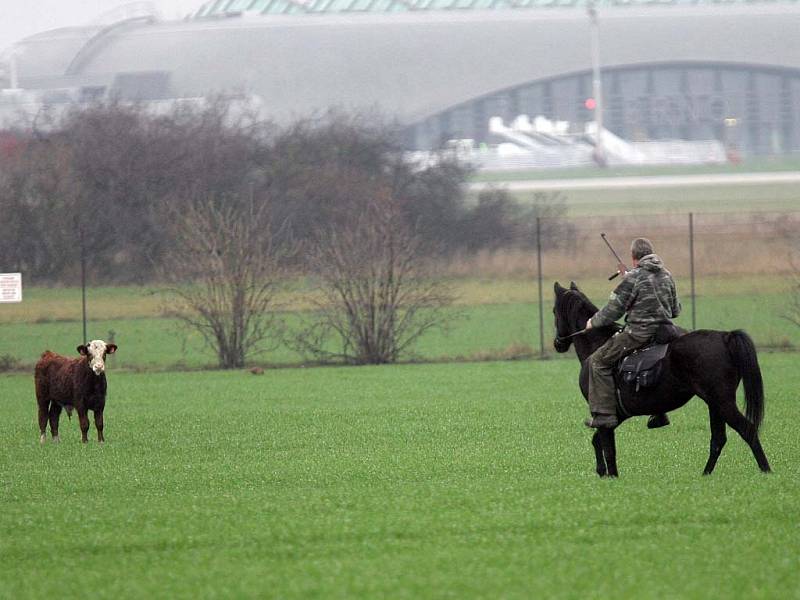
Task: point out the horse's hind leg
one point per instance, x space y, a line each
744 428
598 454
718 439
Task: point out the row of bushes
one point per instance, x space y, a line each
105 182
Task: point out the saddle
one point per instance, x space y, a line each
642 368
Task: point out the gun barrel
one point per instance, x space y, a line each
614 252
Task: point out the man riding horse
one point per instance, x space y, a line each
647 295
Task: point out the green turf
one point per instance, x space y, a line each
417 481
772 164
722 199
494 329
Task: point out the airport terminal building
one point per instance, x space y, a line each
683 70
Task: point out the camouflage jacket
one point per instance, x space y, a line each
647 294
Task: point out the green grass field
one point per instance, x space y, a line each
496 318
415 481
722 199
459 480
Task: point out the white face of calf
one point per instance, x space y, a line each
96 350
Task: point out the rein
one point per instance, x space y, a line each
571 335
561 340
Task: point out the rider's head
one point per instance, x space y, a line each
641 247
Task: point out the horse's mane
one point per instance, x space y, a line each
572 309
575 301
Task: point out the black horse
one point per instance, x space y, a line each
703 363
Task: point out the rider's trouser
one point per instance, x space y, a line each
602 395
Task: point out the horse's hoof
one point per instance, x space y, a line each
42 439
56 439
656 421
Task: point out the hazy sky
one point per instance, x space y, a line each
21 18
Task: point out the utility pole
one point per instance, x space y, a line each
13 69
539 275
597 85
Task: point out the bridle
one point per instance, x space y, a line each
561 340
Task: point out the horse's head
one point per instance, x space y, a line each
571 310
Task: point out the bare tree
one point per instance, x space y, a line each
793 310
793 306
499 220
787 230
225 267
376 297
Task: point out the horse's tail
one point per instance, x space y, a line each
743 352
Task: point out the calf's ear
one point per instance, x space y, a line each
82 349
111 348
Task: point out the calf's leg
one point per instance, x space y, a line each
98 423
42 402
42 421
55 414
83 419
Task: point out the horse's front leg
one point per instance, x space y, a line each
609 451
598 454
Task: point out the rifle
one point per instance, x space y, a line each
619 260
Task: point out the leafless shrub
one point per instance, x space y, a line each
500 221
9 363
225 272
788 234
377 298
793 305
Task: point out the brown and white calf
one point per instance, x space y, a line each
67 383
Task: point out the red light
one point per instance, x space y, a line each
590 104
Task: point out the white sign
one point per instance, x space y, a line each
10 287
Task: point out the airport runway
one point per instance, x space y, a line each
643 181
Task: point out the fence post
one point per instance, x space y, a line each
83 284
539 272
691 268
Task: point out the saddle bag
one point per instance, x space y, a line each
642 368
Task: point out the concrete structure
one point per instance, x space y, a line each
728 71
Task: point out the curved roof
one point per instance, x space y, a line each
412 64
222 8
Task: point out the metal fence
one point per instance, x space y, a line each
737 269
